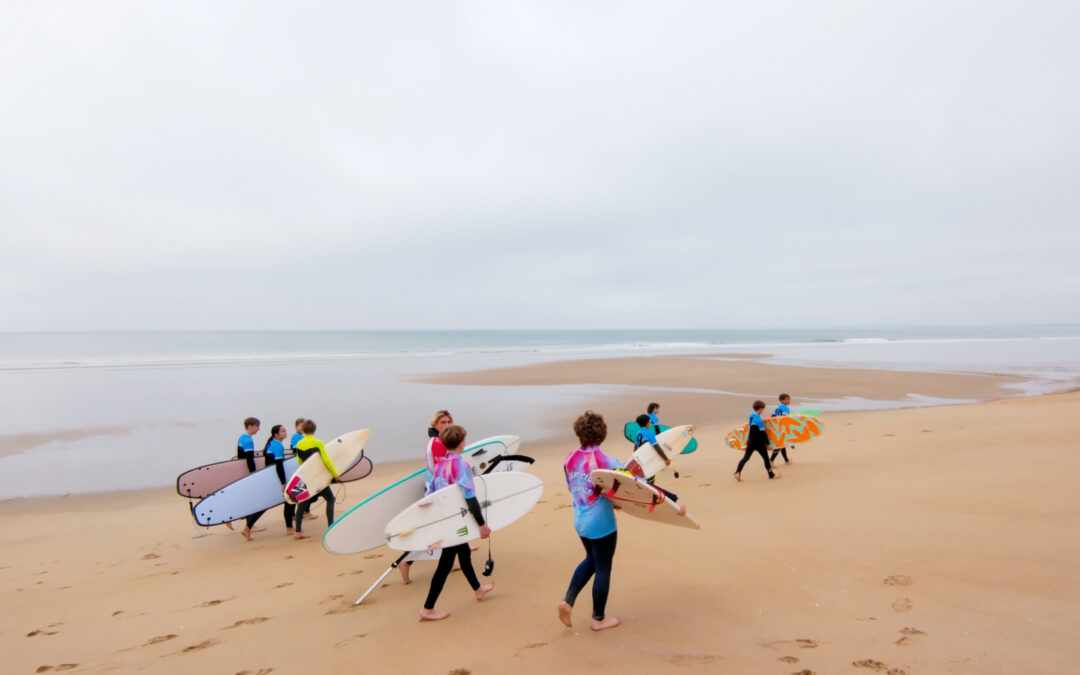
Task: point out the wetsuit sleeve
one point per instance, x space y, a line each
327 461
280 468
474 509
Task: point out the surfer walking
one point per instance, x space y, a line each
756 441
305 448
783 409
434 452
594 520
453 470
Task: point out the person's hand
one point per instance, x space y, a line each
485 531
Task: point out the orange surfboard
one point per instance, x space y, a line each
782 430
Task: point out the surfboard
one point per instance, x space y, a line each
313 475
363 527
631 429
253 493
783 430
442 518
637 498
811 413
205 480
650 459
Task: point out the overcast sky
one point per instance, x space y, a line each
232 165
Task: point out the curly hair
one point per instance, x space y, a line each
590 428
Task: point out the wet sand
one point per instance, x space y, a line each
922 540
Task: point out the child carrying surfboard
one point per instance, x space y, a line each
594 520
783 409
307 447
450 470
433 453
756 441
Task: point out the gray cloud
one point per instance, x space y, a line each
537 164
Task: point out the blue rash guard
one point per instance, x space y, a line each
756 421
644 435
276 449
654 419
245 443
781 409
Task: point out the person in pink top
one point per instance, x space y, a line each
452 470
594 520
434 451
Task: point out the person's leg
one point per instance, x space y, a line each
765 458
742 463
290 516
298 519
775 453
581 576
328 494
783 451
446 561
249 523
603 555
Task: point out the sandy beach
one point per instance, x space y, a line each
919 540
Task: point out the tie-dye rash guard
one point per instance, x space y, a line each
449 470
594 518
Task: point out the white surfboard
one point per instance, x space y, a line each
637 498
363 527
253 493
649 460
313 475
442 518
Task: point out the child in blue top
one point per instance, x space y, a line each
594 520
245 445
756 441
274 452
653 412
645 434
453 470
783 409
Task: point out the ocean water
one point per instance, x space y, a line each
89 412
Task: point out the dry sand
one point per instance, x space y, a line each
929 540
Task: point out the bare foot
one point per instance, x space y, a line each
775 475
288 531
564 613
609 622
247 533
738 477
405 568
484 590
309 516
432 615
301 535
258 529
229 525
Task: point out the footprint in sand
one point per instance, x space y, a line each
40 632
788 659
351 638
287 583
211 603
806 644
898 580
202 645
901 605
804 671
118 612
911 636
332 598
460 671
247 622
690 659
531 645
62 666
879 666
260 671
150 556
160 639
373 556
